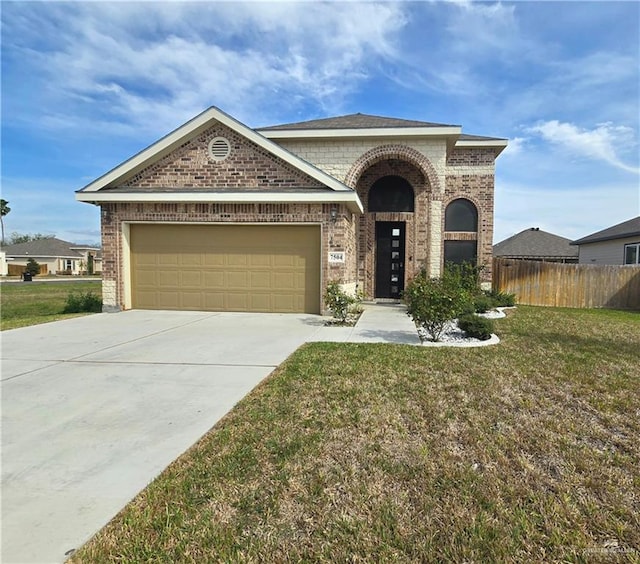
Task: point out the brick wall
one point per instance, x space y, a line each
248 166
336 236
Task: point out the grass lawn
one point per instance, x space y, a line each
528 451
31 303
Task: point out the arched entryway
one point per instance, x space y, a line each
390 194
392 242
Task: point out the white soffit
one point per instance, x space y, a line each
192 128
499 144
350 198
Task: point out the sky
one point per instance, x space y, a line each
86 85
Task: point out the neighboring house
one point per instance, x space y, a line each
217 216
619 244
534 244
59 257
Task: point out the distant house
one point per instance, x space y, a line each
534 244
59 257
619 244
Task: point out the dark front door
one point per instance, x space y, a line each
389 259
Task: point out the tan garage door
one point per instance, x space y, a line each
264 268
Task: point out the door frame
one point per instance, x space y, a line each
401 260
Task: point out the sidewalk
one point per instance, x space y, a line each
379 323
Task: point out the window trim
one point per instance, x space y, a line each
624 255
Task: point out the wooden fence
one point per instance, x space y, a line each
18 269
568 285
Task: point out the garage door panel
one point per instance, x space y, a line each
191 300
237 302
214 279
191 278
237 280
260 302
213 301
213 259
166 259
168 278
260 280
167 300
191 259
225 267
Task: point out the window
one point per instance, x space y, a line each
391 194
459 252
632 253
461 215
68 264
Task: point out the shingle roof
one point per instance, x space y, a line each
535 243
629 228
354 121
51 247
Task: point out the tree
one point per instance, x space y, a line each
32 267
20 238
4 210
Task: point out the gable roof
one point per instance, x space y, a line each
50 247
193 127
629 228
535 243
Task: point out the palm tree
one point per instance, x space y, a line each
4 210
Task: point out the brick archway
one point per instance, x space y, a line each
386 152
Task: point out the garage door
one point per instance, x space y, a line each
263 268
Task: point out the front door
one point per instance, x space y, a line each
390 259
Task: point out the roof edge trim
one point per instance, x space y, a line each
200 122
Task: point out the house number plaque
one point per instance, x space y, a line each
336 257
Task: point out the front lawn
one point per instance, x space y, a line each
523 452
31 303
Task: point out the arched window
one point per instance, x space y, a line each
391 194
461 215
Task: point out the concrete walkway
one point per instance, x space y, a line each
379 323
94 408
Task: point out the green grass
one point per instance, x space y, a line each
524 452
31 303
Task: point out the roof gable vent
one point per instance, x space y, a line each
219 149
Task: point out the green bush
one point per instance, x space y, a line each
433 302
465 276
338 301
501 299
32 267
482 304
79 302
476 326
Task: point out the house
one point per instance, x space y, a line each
54 257
218 216
619 244
535 244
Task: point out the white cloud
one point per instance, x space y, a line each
152 66
599 143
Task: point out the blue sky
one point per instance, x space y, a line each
85 85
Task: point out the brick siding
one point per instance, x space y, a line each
248 166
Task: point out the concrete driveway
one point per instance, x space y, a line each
93 408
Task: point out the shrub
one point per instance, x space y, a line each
32 267
79 302
501 299
476 326
482 304
465 276
338 301
433 302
